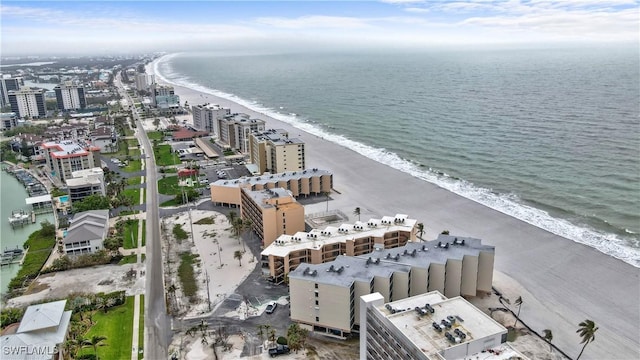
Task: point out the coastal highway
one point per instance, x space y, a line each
156 322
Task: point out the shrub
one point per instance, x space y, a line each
10 316
282 340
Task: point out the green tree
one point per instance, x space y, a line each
519 305
587 330
94 342
47 229
548 336
238 255
356 212
420 230
92 202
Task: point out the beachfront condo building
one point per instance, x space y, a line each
298 183
274 152
320 246
8 120
235 130
272 212
325 297
429 326
65 157
85 183
8 83
70 96
86 233
207 117
144 81
28 102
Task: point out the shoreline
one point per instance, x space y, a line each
571 281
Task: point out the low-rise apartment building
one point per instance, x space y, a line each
8 121
273 151
272 212
429 326
63 158
299 183
325 297
85 183
321 246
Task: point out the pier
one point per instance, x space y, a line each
13 256
21 217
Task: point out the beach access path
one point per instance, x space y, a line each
571 282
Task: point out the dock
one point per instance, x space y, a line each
13 256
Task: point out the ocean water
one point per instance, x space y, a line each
548 136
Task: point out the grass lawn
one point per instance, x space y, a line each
186 274
128 259
134 152
171 202
168 170
130 234
39 249
155 135
132 142
141 328
144 232
169 186
128 132
134 180
164 156
133 195
127 212
134 165
116 326
122 149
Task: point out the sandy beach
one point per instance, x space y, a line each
571 282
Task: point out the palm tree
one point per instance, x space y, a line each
420 230
96 341
519 304
548 336
356 212
231 217
238 255
261 331
587 331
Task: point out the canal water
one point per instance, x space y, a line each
12 197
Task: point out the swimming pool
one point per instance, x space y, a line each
64 199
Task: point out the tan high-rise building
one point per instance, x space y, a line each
320 246
272 212
325 297
235 130
429 326
299 183
273 151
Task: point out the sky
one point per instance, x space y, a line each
133 27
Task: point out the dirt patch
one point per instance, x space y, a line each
36 287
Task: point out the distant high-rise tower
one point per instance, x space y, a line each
70 96
7 84
28 102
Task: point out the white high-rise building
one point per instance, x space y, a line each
206 117
70 96
7 83
144 81
28 102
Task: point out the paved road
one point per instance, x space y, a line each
157 329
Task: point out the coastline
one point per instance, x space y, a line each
571 281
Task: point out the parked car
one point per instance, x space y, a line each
279 350
271 308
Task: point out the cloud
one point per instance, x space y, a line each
402 2
417 10
314 21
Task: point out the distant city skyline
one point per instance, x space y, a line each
122 27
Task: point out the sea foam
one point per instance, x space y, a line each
508 204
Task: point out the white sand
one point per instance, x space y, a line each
568 282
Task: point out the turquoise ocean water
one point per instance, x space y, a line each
548 136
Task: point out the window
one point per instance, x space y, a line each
317 302
317 319
316 286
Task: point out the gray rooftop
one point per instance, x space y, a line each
260 196
88 225
277 137
423 254
344 270
269 178
386 261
